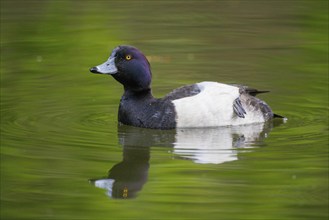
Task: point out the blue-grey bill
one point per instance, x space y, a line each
107 67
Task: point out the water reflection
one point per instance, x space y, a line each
207 145
126 178
218 145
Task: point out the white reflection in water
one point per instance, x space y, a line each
105 184
217 145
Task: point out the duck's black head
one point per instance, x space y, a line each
129 67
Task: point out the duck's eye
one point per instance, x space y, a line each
128 57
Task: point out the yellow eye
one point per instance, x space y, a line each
128 57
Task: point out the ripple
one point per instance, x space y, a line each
57 123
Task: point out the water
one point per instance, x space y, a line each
61 145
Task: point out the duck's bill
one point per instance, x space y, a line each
106 68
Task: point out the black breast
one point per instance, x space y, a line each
142 110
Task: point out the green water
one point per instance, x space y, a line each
59 129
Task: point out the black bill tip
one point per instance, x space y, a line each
94 69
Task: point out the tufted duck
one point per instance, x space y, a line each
205 104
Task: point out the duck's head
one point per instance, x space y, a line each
129 67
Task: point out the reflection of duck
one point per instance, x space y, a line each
205 104
218 145
208 145
126 178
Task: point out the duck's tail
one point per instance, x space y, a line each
281 117
277 116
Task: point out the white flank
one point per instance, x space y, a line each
213 107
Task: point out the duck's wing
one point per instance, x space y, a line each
238 108
247 96
252 104
182 92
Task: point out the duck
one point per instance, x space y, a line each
203 104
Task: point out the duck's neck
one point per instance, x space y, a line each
146 93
